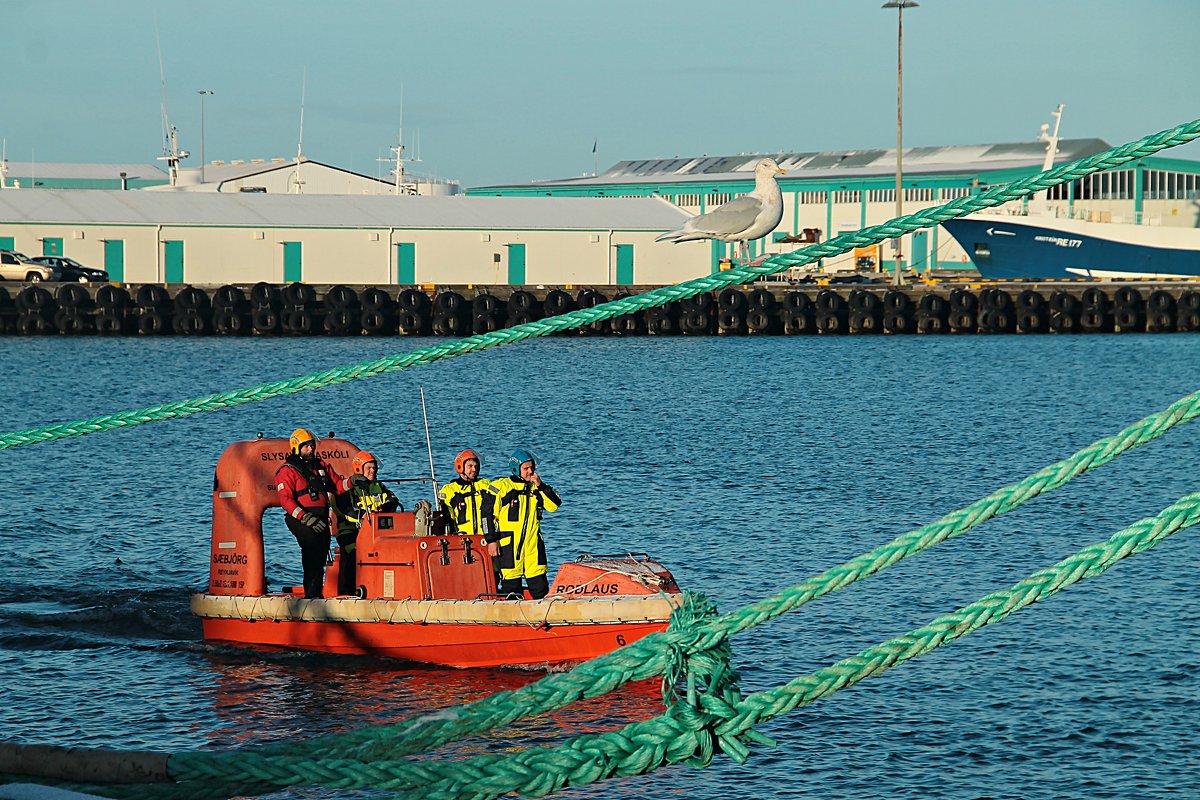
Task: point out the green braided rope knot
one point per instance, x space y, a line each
677 735
992 197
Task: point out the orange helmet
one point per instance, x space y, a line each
361 460
460 460
299 437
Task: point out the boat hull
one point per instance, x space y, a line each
467 634
1041 248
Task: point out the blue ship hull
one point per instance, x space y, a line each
1035 248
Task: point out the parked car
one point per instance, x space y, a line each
71 270
16 266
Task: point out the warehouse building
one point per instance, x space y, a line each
826 194
211 238
256 175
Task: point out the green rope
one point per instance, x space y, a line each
686 732
657 654
658 297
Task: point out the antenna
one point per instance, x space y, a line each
1051 140
171 152
4 164
429 444
296 182
400 185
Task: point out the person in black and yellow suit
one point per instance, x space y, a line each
468 502
521 499
368 496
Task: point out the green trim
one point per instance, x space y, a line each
8 243
1139 185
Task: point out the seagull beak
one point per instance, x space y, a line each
781 170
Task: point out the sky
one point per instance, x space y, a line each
509 91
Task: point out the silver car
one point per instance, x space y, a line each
16 266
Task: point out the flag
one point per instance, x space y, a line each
594 143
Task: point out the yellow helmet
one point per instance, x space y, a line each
299 437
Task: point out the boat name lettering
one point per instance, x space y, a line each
589 588
322 454
1059 240
229 558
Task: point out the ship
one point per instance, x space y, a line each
1042 247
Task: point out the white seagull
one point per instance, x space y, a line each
742 219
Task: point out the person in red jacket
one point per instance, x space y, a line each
306 486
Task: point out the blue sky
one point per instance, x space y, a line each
519 90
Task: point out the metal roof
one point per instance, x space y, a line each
100 206
835 165
56 171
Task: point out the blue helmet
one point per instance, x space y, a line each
519 457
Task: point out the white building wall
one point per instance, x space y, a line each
244 255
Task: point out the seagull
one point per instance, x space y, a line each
742 219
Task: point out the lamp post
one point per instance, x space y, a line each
899 5
203 93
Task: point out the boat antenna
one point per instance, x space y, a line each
298 184
429 445
171 152
1051 140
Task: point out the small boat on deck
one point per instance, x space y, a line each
423 594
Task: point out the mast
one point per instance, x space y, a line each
297 183
1042 198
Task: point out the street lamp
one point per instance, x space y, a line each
203 93
899 5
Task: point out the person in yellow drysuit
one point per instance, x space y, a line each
468 502
521 499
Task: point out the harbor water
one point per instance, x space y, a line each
743 464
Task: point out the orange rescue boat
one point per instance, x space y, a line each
423 595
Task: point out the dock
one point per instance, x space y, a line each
299 309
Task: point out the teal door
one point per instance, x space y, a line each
52 247
8 243
292 262
624 264
920 251
114 259
173 255
516 263
406 264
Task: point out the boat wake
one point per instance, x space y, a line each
82 619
